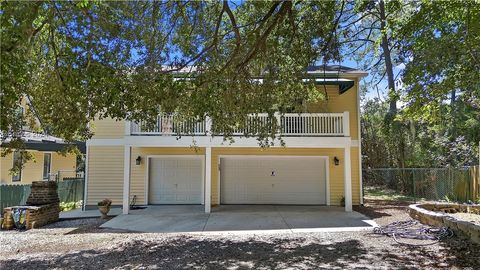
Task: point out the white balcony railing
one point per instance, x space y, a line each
290 124
170 124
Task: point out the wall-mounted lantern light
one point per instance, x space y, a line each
138 160
336 161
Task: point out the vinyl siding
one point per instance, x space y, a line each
108 128
336 103
33 169
6 163
65 164
105 174
356 192
138 172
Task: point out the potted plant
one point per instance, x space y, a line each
104 207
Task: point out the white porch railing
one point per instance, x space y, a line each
290 124
311 124
170 124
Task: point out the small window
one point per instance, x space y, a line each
17 160
47 161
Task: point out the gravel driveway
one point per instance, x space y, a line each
58 246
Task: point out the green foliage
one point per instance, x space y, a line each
441 49
450 141
67 206
78 61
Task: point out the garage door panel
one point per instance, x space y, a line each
175 180
295 180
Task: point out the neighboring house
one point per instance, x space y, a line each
46 163
320 164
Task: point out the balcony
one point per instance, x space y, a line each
290 125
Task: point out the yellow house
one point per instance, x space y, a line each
319 164
46 163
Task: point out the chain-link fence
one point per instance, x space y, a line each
449 184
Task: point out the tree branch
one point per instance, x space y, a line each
263 37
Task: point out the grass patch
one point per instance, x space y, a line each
385 194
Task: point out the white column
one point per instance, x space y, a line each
346 124
126 179
208 179
208 125
348 179
128 127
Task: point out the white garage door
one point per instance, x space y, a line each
273 180
175 180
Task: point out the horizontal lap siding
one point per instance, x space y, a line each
67 164
5 166
336 172
138 172
355 176
105 178
33 169
108 128
105 174
336 103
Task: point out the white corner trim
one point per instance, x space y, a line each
126 180
348 179
208 179
360 175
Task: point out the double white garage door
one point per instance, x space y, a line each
243 180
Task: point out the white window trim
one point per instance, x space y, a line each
43 167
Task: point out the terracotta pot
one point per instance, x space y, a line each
104 211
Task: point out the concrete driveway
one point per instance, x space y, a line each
240 218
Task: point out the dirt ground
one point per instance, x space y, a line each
81 244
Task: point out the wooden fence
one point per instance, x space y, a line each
69 190
456 184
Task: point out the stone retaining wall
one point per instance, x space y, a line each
425 213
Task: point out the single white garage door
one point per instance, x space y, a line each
175 180
273 180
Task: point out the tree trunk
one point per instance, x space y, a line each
388 60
